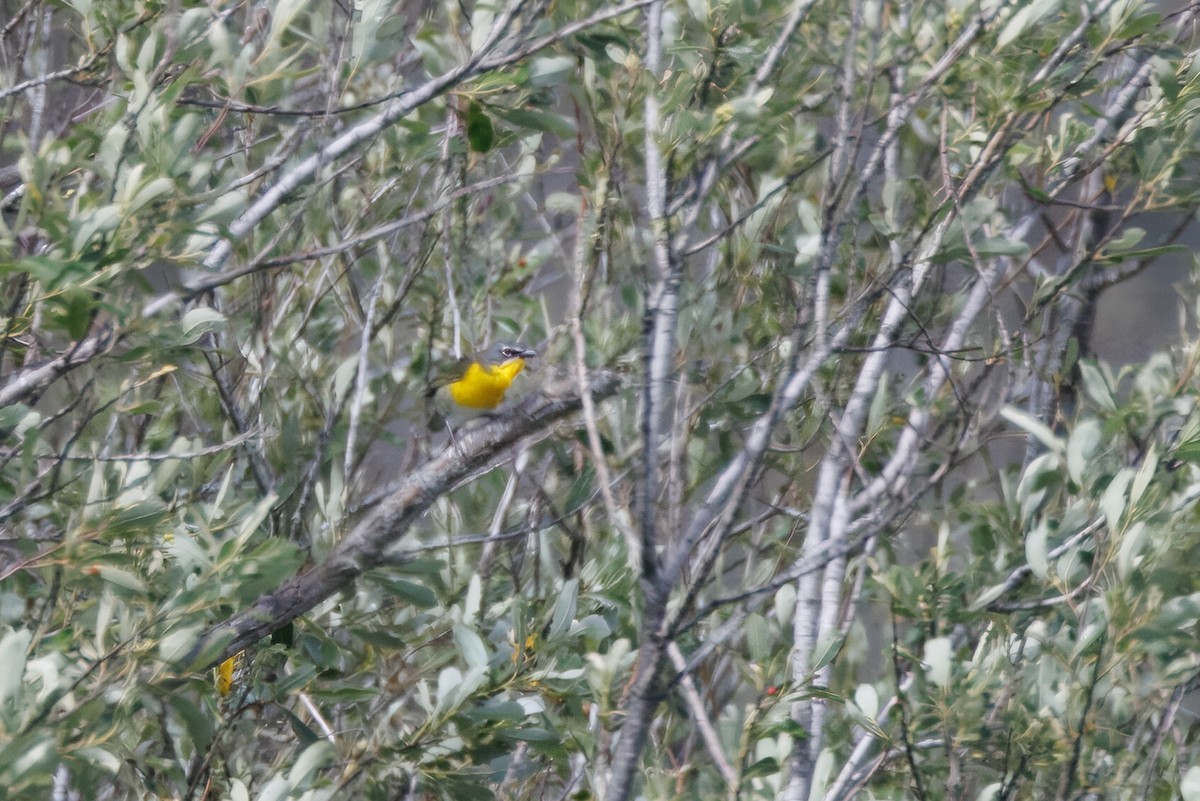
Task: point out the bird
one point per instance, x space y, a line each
227 673
476 386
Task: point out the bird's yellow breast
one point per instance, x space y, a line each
483 387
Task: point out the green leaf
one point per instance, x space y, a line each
345 694
1023 19
1125 242
371 15
1034 427
98 757
465 790
592 626
449 680
1039 477
13 647
143 517
1000 246
1189 785
13 417
564 608
198 322
828 650
467 684
786 725
153 189
937 661
1113 502
785 604
384 640
758 638
25 755
415 594
470 646
581 489
497 710
1188 451
421 567
297 681
311 759
74 311
1081 448
1145 474
867 700
94 223
768 766
303 732
550 70
52 273
535 120
480 133
879 405
1097 387
530 735
178 644
1130 549
225 208
284 635
122 578
1142 254
198 725
1035 549
473 600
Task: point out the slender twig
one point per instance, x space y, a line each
700 718
483 565
587 249
1071 768
359 394
565 32
906 737
1019 574
218 370
211 450
42 80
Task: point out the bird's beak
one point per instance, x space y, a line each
527 353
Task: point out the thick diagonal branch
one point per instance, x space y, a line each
364 547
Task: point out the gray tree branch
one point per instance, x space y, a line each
365 546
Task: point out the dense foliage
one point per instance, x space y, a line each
867 516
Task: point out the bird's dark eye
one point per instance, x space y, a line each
508 352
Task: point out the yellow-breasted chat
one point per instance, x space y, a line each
477 385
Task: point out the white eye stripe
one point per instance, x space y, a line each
512 352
